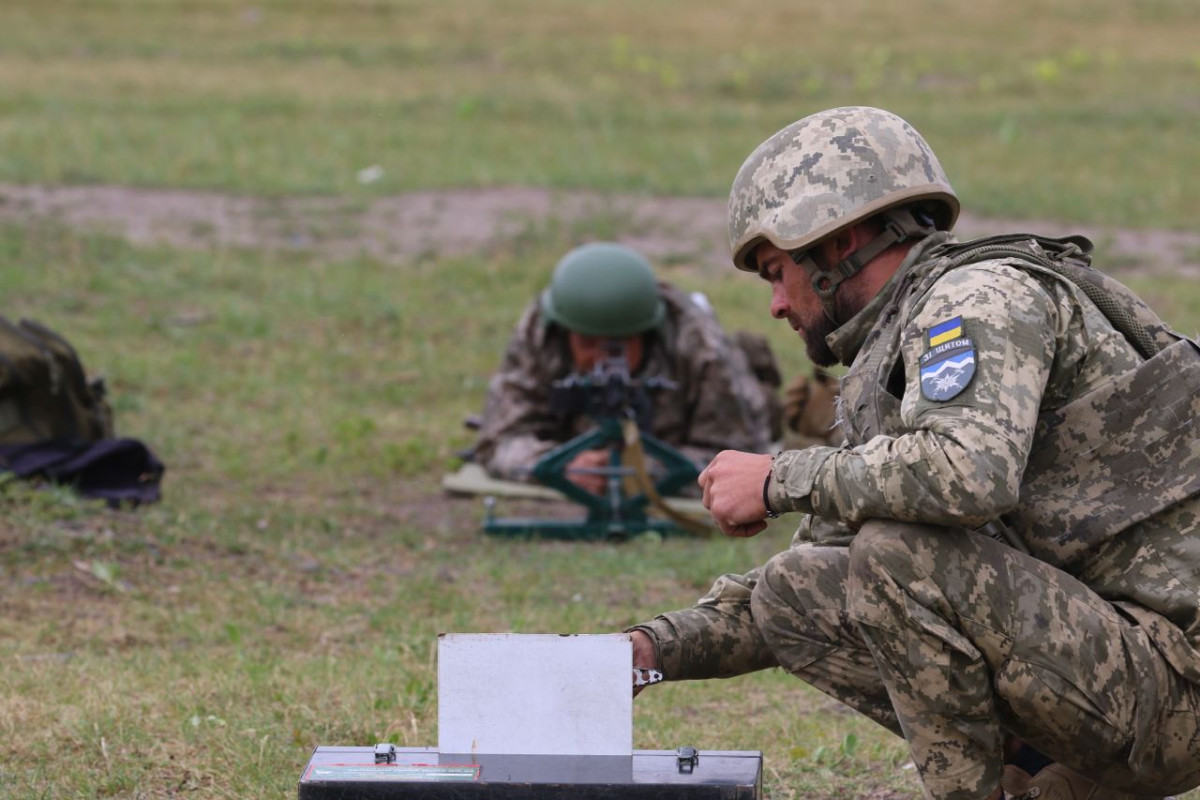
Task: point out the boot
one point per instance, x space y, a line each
1056 782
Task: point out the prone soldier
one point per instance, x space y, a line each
604 301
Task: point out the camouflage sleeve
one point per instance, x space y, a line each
967 431
716 638
518 426
727 405
821 531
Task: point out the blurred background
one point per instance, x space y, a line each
294 236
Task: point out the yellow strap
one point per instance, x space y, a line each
633 456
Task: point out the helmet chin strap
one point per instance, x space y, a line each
899 225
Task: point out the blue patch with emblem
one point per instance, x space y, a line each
949 364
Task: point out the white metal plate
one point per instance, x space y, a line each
535 694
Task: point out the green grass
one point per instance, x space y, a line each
1082 111
288 590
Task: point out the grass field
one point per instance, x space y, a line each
288 590
1079 109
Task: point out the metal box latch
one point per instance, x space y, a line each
385 754
687 758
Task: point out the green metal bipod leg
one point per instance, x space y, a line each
612 514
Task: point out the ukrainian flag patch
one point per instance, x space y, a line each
945 331
948 366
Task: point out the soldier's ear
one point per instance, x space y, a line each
850 241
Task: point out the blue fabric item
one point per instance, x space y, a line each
120 471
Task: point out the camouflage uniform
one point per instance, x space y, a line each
717 403
1084 639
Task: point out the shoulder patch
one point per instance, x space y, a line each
945 331
948 366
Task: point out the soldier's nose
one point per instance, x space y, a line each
779 304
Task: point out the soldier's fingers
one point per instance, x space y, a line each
752 529
591 483
721 516
739 531
745 531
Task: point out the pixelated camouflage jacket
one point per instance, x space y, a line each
1058 428
716 404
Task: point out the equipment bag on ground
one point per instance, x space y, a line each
56 424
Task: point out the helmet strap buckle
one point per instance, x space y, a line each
824 281
894 228
899 225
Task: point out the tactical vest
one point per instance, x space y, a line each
1103 461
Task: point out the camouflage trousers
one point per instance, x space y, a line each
954 640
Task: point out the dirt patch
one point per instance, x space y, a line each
459 222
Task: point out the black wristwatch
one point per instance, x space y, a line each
766 500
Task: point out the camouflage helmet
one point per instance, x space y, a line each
828 171
603 289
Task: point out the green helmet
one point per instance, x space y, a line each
828 171
603 289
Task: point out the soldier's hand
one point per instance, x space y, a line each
588 459
644 655
732 484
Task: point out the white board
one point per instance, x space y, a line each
535 694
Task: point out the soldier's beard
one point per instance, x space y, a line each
814 328
813 331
